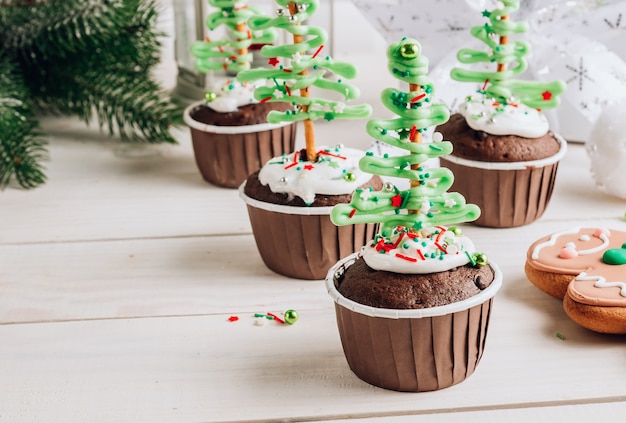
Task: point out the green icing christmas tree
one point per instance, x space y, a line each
500 84
300 66
92 59
426 203
232 51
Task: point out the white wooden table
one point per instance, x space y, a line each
119 275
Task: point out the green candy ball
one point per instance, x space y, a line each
290 317
210 96
456 230
409 51
480 259
350 177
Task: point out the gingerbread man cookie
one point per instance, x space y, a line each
586 267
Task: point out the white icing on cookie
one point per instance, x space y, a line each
430 250
514 118
335 172
602 234
602 283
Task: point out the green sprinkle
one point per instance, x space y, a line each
471 259
560 336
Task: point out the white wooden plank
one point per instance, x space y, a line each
205 368
198 275
158 277
606 411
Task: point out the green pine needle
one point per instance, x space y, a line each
21 147
90 58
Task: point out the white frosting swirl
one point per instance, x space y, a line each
335 172
231 94
430 250
514 118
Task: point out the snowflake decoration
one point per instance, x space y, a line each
580 73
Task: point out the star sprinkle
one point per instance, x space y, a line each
366 194
449 203
339 108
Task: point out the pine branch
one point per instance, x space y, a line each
104 66
84 57
21 147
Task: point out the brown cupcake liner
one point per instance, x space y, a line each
302 242
413 350
508 194
226 155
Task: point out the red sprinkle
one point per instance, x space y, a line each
288 90
412 134
233 318
352 213
266 99
276 317
418 98
295 161
407 258
485 84
398 240
420 254
440 247
317 51
290 166
326 153
443 231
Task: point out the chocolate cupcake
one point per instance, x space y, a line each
509 176
505 156
413 306
289 202
231 136
230 133
290 217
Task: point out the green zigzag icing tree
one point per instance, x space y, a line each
510 59
426 203
299 66
232 52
